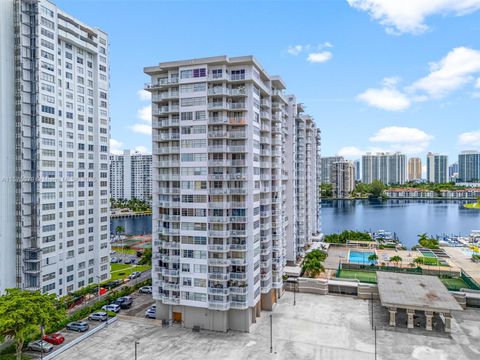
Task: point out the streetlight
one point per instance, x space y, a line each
271 334
136 344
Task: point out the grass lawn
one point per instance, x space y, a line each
454 284
366 276
473 206
121 271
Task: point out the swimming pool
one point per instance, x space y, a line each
360 257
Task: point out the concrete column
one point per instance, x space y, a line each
410 314
393 312
429 317
448 322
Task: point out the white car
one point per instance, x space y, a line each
145 290
151 313
111 307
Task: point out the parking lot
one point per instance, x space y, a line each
318 327
141 302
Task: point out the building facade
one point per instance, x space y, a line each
326 167
358 170
61 131
131 176
469 166
220 190
342 178
389 168
414 169
453 172
437 168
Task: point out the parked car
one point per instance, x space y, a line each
111 307
145 290
134 275
129 261
55 339
98 316
113 284
124 302
40 346
80 326
114 260
151 313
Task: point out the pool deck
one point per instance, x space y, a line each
458 257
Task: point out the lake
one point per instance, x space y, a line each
134 225
407 218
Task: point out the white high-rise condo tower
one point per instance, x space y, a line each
54 146
220 187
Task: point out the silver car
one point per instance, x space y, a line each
40 346
145 290
98 316
151 313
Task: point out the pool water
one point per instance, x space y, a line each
360 257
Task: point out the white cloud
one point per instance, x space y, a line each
477 83
116 147
387 97
319 57
408 16
457 68
145 113
470 139
295 49
144 95
142 129
350 152
141 149
403 139
327 44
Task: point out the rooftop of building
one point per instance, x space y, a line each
408 291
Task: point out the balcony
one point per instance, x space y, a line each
237 106
237 149
170 286
238 247
218 191
218 248
218 262
237 135
219 276
219 233
238 290
169 272
219 291
218 120
217 134
238 232
241 305
238 219
170 300
218 305
218 219
218 105
265 115
238 262
218 148
170 258
218 91
237 121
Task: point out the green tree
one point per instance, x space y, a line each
146 257
326 190
119 230
313 267
376 189
23 312
396 259
373 258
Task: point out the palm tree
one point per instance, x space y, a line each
373 258
396 259
313 268
418 260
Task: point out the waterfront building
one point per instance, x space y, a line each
453 172
54 146
389 168
358 170
326 167
437 168
414 169
224 162
342 178
131 176
469 166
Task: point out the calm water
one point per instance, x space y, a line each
407 218
138 225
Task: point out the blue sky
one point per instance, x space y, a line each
375 74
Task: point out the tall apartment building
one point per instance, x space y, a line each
131 176
389 168
414 169
55 123
342 178
469 166
326 167
358 170
220 190
453 172
437 168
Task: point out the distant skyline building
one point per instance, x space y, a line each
453 172
437 168
233 161
342 178
358 170
389 168
469 166
131 176
54 145
326 166
414 169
